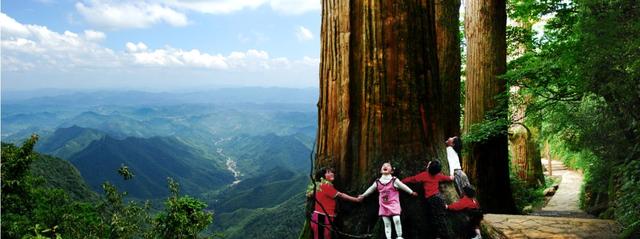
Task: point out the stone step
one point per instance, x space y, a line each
500 226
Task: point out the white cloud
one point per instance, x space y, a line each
46 49
295 6
131 47
121 14
288 7
135 14
303 34
31 52
216 6
92 35
177 57
250 60
11 27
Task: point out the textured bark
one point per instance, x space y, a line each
525 156
448 44
379 101
486 162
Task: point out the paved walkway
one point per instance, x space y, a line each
560 218
566 201
500 226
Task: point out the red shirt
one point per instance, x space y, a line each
464 203
327 197
429 182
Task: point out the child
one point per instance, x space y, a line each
325 203
469 204
389 199
454 144
430 181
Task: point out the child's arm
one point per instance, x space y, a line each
444 178
404 187
412 179
369 190
456 206
347 197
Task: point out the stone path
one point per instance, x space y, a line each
500 226
566 201
560 218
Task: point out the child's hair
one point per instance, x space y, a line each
457 145
321 172
434 167
469 191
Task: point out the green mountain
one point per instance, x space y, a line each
279 222
266 190
65 142
60 174
116 125
256 155
152 160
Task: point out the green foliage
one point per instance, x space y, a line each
263 191
281 221
495 123
524 195
31 209
584 77
60 174
183 217
17 198
125 172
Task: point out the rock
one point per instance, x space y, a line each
528 209
549 191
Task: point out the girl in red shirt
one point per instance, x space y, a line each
430 181
325 203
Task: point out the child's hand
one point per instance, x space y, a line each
415 194
360 198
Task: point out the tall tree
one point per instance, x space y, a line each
486 162
525 153
379 99
448 44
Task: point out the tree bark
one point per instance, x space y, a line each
525 156
487 162
380 101
448 44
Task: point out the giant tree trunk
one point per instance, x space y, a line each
448 44
379 101
487 163
525 156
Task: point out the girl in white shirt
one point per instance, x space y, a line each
454 144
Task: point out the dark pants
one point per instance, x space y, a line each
461 180
437 216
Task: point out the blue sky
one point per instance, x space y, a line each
159 44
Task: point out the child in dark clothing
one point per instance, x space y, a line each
469 204
430 181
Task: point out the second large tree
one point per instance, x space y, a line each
486 162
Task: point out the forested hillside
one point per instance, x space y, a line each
237 155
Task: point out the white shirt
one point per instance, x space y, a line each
454 160
385 179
